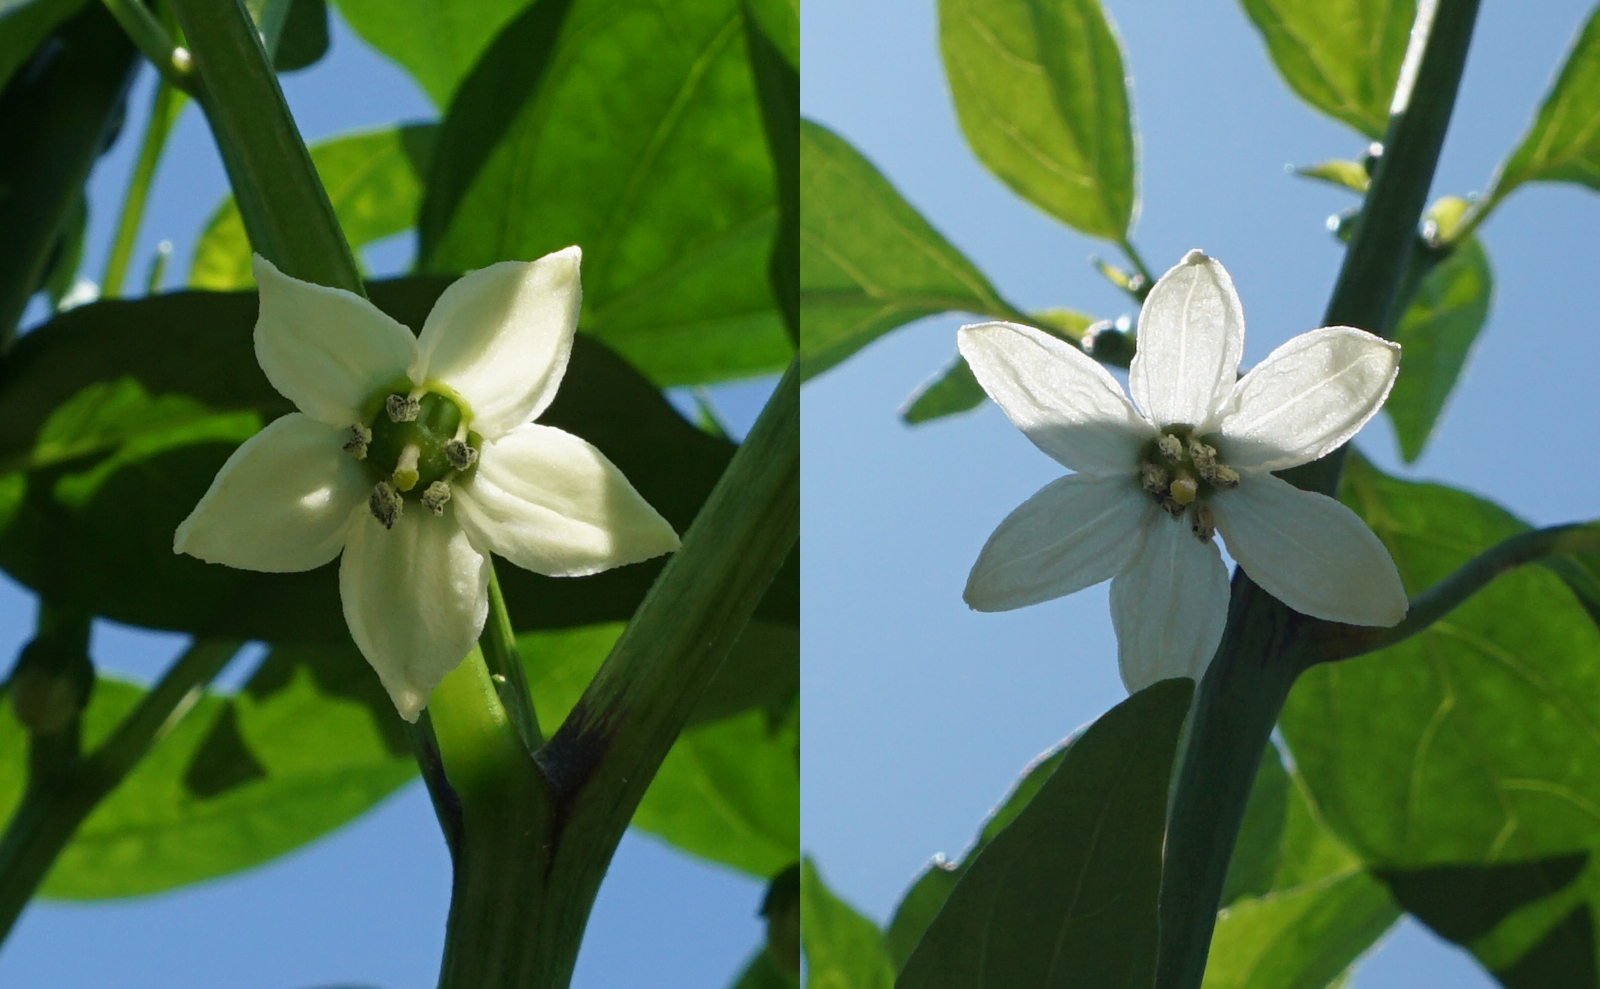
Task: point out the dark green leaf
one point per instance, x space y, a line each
25 23
373 178
305 36
1563 144
843 949
868 261
772 35
760 973
1041 94
1065 895
669 192
1341 56
1436 335
437 41
65 260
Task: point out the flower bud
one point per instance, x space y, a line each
50 685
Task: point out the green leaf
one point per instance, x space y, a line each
310 743
868 261
1341 56
1469 744
373 178
1562 145
68 254
1257 850
105 542
729 792
669 192
1351 175
437 41
772 35
760 973
23 25
1436 335
305 36
1041 93
1065 895
843 949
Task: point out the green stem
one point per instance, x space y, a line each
504 661
164 109
61 790
1245 687
154 41
285 209
1132 254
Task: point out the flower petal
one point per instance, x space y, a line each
500 337
325 349
1169 607
282 502
1076 531
1307 398
1310 552
550 502
1061 399
415 598
1191 336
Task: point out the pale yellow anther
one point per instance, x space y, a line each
405 469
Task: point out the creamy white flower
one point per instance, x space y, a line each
415 456
1156 482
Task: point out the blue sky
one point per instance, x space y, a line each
918 714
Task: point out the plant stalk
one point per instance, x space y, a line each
164 109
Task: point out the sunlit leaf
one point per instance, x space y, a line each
1563 145
843 949
437 41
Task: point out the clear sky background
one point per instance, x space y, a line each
366 906
918 714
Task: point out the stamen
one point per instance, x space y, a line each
402 408
1171 507
1202 524
1224 477
460 455
1184 489
386 504
1202 453
1170 446
435 497
360 436
1154 478
405 469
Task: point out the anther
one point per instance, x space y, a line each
1170 446
1154 478
1184 489
1224 477
1202 453
356 446
405 469
402 408
1171 507
460 455
1202 524
386 504
435 497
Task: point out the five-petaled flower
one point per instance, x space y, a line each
1156 483
416 457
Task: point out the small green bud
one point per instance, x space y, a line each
50 686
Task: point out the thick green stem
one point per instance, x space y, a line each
62 790
164 109
154 41
285 209
1245 687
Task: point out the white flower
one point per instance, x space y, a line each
416 457
1153 486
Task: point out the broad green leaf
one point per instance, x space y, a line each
868 261
1436 335
1563 144
779 22
1341 56
1472 743
729 792
1313 910
1065 895
669 192
1041 93
294 32
843 949
23 25
772 36
760 973
67 256
437 41
105 540
955 389
373 178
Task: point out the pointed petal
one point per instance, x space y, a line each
550 502
1075 532
1308 398
415 598
1061 399
501 335
1191 336
325 349
281 503
1310 552
1169 607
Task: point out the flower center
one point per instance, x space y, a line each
1181 472
414 443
